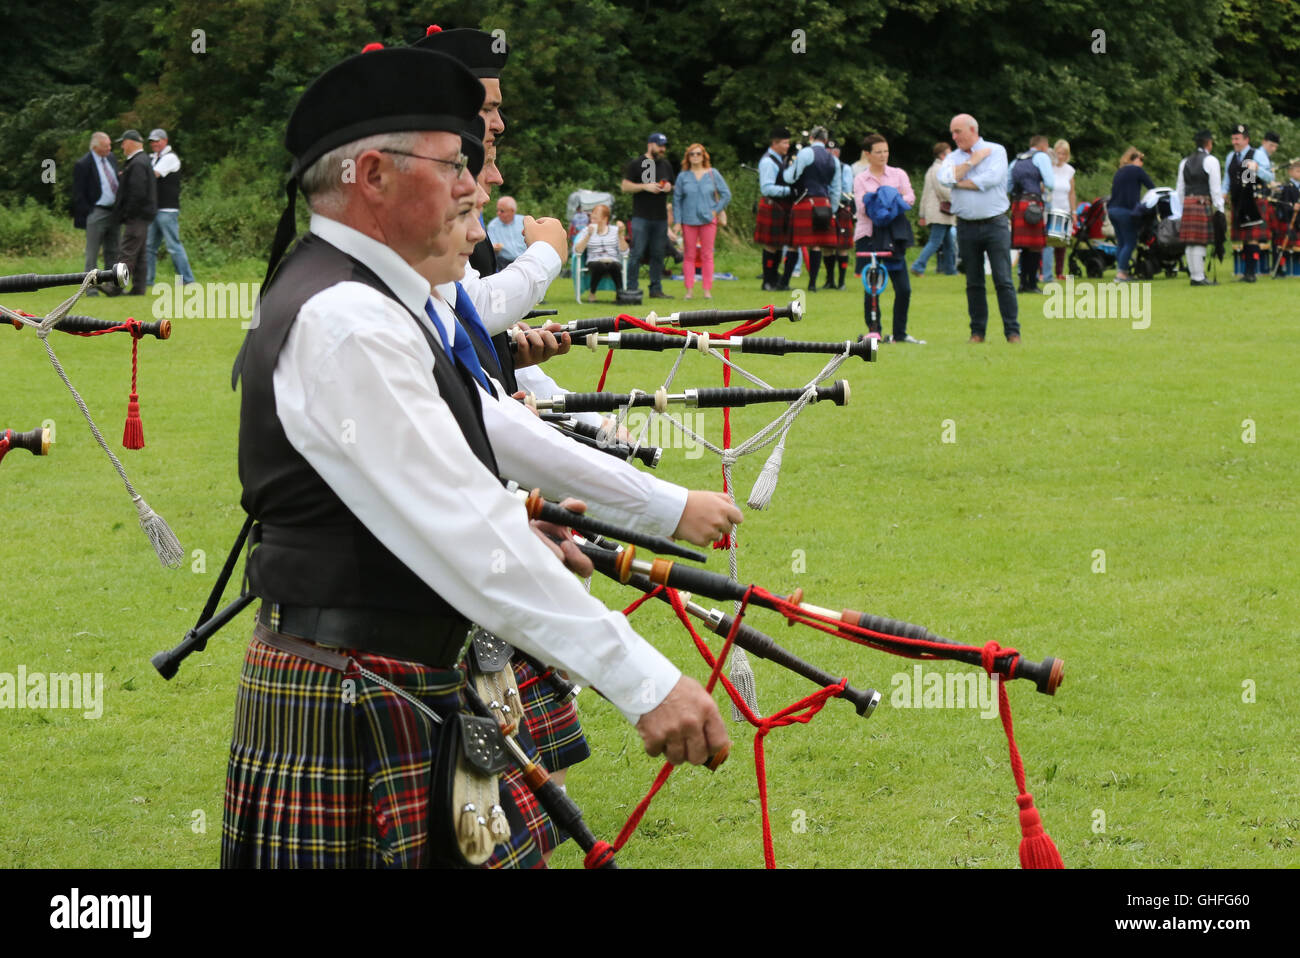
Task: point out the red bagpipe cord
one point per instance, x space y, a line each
801 711
133 431
1037 850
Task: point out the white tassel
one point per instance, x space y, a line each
164 541
765 484
742 677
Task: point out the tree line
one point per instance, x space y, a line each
589 79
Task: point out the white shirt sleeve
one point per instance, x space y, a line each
504 298
167 164
533 380
357 399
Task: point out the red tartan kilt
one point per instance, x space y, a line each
802 232
772 227
844 226
1024 236
1250 234
1196 228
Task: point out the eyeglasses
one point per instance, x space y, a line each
460 164
695 153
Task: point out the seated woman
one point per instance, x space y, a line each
604 248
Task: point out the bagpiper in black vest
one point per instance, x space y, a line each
313 550
1026 178
1241 189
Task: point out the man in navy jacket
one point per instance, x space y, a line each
95 184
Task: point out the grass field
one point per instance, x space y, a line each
1121 498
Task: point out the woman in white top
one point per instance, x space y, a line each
1062 201
604 248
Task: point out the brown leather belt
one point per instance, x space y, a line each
438 642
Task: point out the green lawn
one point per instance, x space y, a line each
1172 741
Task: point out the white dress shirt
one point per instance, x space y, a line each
505 297
357 399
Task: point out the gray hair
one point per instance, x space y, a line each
95 138
323 181
820 133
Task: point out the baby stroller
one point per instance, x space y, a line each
1092 252
1159 250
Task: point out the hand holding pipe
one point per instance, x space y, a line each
865 349
1046 675
539 508
30 282
838 393
88 324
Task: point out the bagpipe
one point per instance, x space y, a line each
597 438
36 441
792 311
160 535
674 583
723 397
864 348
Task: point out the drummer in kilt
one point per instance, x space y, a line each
815 176
1027 178
1247 169
1199 188
772 224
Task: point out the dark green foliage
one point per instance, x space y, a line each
589 79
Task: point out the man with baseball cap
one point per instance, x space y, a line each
166 225
649 178
137 204
383 526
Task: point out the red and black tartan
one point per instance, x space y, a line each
1196 227
1255 233
844 226
323 775
772 227
802 232
1023 235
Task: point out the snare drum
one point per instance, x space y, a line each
1058 228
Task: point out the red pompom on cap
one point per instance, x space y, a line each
371 47
434 28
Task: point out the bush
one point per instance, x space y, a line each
30 229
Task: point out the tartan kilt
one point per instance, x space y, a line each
1024 236
772 225
553 724
844 227
322 779
1250 234
801 224
1196 227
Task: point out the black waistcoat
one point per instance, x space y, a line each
498 361
820 175
313 551
1241 190
1196 182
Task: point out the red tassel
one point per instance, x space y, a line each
434 28
1037 850
133 434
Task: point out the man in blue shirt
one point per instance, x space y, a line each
506 231
772 224
976 171
94 195
1244 169
1027 178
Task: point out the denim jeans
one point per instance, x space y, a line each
651 235
1126 234
944 240
166 227
974 239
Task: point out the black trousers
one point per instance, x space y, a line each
135 234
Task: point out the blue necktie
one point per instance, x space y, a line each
463 349
470 319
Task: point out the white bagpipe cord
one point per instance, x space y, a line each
164 541
742 674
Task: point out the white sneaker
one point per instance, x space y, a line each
909 339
